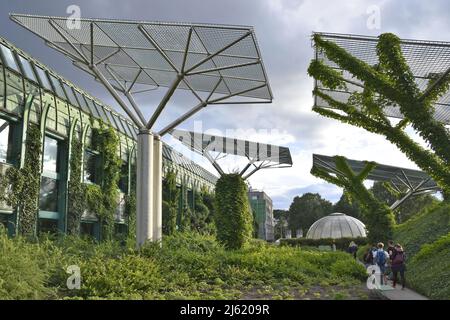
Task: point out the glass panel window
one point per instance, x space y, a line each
82 102
70 95
87 228
90 167
123 182
48 196
92 107
102 113
9 57
50 161
48 226
4 140
43 77
27 69
59 90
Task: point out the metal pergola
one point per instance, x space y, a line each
214 148
407 182
427 59
218 64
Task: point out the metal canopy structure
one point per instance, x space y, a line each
406 181
218 64
132 57
214 148
427 59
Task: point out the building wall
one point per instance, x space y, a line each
30 92
262 206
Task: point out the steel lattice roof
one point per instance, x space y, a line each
255 151
398 176
123 48
425 58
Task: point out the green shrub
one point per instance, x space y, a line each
424 228
186 266
233 216
22 272
341 244
429 269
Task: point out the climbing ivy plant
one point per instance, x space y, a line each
390 82
171 196
233 216
76 195
19 188
102 199
130 203
378 216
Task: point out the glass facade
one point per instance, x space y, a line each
4 141
90 167
9 58
50 158
48 197
20 75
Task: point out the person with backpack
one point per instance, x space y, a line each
380 258
398 265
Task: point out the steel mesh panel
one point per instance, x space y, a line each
125 35
425 59
215 39
199 143
380 173
138 51
82 35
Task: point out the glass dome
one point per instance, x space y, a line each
335 226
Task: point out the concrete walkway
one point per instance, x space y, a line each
390 293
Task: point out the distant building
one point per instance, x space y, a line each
262 208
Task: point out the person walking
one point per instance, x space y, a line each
398 265
368 257
381 257
352 249
390 251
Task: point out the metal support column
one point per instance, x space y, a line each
144 194
157 188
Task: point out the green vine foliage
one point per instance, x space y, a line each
76 198
19 188
233 215
379 218
103 199
130 203
171 196
390 82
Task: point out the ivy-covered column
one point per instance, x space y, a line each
233 215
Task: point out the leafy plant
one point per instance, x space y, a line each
390 82
233 216
19 188
76 198
171 196
378 217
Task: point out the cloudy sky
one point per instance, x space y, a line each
283 29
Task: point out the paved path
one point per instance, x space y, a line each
390 293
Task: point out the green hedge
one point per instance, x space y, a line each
429 269
233 216
424 228
341 244
426 240
187 266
